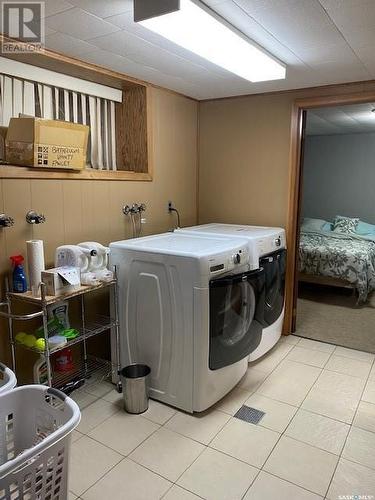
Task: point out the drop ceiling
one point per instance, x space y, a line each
321 41
351 119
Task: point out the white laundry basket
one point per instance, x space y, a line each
35 426
7 379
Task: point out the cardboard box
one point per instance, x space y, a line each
3 133
61 280
35 142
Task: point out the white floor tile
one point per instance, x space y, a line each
123 432
99 389
268 487
178 493
201 427
167 453
269 361
290 382
290 339
354 354
277 414
89 461
159 412
72 496
365 416
215 476
348 366
252 380
369 392
247 442
316 346
351 479
114 397
95 414
126 481
82 398
233 401
319 431
308 356
360 447
335 395
75 436
372 373
302 464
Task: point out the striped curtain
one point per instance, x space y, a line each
35 99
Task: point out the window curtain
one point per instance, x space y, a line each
36 99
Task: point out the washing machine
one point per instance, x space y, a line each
267 250
191 309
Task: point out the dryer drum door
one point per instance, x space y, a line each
236 316
274 266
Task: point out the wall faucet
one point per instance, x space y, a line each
134 209
32 217
6 221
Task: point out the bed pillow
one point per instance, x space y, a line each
310 224
345 225
364 228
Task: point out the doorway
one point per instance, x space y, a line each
330 282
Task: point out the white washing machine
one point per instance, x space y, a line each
267 250
190 308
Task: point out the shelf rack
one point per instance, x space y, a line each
88 365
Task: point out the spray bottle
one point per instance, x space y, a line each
19 278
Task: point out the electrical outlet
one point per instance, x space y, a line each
170 206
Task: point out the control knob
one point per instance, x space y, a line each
237 258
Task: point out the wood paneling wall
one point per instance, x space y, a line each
92 210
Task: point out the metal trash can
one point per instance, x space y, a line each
134 380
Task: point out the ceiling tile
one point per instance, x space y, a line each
80 24
350 13
67 44
103 8
52 7
252 29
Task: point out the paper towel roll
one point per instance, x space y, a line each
35 262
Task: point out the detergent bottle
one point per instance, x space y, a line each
19 278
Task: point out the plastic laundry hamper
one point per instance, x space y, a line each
35 426
7 379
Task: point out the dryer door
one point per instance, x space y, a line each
274 266
236 315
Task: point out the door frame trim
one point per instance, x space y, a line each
295 177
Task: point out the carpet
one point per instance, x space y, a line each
332 315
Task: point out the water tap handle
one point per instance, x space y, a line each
6 221
32 217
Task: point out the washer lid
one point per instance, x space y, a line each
192 245
244 231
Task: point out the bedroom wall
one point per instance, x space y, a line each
92 210
339 176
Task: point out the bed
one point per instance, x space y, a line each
331 258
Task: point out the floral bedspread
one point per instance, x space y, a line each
351 258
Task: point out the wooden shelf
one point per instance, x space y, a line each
18 172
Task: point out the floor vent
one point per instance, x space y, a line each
249 414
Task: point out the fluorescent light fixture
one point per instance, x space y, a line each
199 30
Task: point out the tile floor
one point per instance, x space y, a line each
316 440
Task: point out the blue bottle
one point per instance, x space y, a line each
19 278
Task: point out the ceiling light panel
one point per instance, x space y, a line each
199 30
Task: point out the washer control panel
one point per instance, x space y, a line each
226 263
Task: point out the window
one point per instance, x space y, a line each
19 96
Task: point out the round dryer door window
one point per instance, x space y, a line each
235 325
237 313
